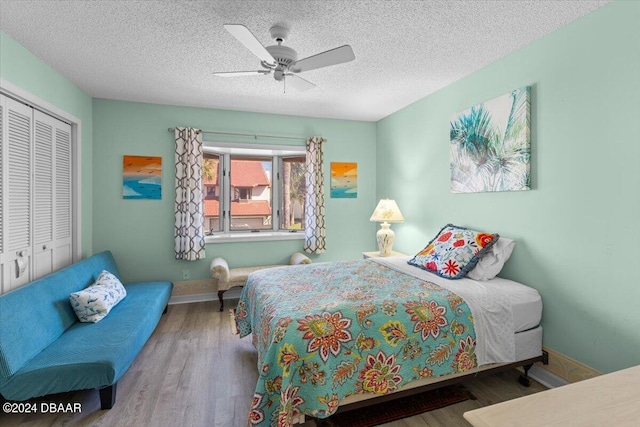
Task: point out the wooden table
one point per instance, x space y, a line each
607 400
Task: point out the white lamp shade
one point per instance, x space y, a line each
387 211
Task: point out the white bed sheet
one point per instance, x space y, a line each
526 303
500 308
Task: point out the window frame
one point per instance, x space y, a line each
225 151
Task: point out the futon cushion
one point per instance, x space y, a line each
93 303
93 355
46 301
454 251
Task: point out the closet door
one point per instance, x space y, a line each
16 194
3 169
62 202
43 185
52 194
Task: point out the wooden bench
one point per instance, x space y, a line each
228 278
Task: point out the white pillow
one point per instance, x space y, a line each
492 262
93 303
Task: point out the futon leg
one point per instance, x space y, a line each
220 293
166 308
524 378
108 396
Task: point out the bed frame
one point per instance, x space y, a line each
359 401
411 389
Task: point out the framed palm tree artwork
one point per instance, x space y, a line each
490 145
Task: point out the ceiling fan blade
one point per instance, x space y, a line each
330 57
250 41
240 73
298 82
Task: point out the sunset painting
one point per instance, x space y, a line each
141 177
344 180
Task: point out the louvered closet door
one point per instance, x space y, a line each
62 203
52 194
43 185
16 194
3 169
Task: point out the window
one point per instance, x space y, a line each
242 193
293 193
253 193
251 189
211 167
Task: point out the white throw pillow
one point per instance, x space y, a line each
93 303
492 262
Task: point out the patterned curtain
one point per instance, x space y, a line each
189 222
314 228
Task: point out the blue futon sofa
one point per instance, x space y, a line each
44 349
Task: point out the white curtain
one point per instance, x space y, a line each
314 228
189 220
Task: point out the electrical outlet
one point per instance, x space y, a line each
185 274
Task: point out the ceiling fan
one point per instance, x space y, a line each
282 60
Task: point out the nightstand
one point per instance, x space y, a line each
373 254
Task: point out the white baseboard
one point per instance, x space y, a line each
546 378
231 294
185 299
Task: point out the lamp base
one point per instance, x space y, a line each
385 237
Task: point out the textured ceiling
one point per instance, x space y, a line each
166 51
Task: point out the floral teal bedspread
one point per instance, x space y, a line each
325 331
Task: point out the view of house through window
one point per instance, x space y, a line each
250 193
263 190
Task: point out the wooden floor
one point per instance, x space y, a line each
194 372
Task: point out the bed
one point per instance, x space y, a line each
332 335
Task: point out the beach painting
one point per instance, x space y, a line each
344 180
142 177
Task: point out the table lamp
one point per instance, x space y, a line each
387 211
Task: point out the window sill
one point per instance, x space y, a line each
253 237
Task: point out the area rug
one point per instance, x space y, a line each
397 409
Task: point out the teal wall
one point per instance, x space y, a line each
140 232
23 69
578 229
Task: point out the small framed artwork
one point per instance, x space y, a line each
490 145
141 177
344 180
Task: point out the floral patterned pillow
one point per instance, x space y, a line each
454 251
93 303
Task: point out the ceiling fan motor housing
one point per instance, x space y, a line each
284 56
